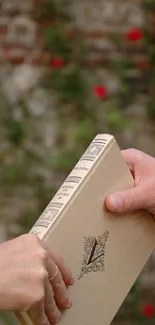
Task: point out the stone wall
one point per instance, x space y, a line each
22 59
23 66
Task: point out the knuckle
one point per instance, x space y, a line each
35 299
131 202
58 285
29 239
131 151
137 154
43 255
42 274
40 297
59 280
37 250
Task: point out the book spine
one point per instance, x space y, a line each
70 186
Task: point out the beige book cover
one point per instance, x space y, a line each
106 253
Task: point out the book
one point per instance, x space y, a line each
105 252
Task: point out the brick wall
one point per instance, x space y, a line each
23 60
19 28
22 64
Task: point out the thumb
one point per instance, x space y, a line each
130 200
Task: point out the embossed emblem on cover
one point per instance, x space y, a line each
94 254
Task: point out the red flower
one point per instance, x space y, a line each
57 63
148 310
101 91
135 34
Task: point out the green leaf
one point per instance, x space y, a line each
149 4
44 194
15 131
65 161
57 41
122 66
116 120
8 318
85 132
51 10
151 108
70 86
28 218
14 173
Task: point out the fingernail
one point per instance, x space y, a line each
116 202
69 303
57 316
72 281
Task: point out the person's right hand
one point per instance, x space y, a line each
26 266
142 195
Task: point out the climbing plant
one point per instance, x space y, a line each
82 95
69 75
84 106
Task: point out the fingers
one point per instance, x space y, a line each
132 156
129 156
56 297
134 199
37 314
142 195
61 294
121 201
65 272
51 308
135 159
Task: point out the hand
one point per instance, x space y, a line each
26 265
142 195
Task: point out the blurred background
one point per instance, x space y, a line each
71 69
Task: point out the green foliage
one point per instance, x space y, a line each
44 193
69 85
65 161
57 41
85 132
15 131
149 4
116 119
67 158
132 308
52 10
13 173
77 104
122 66
151 108
8 318
27 220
